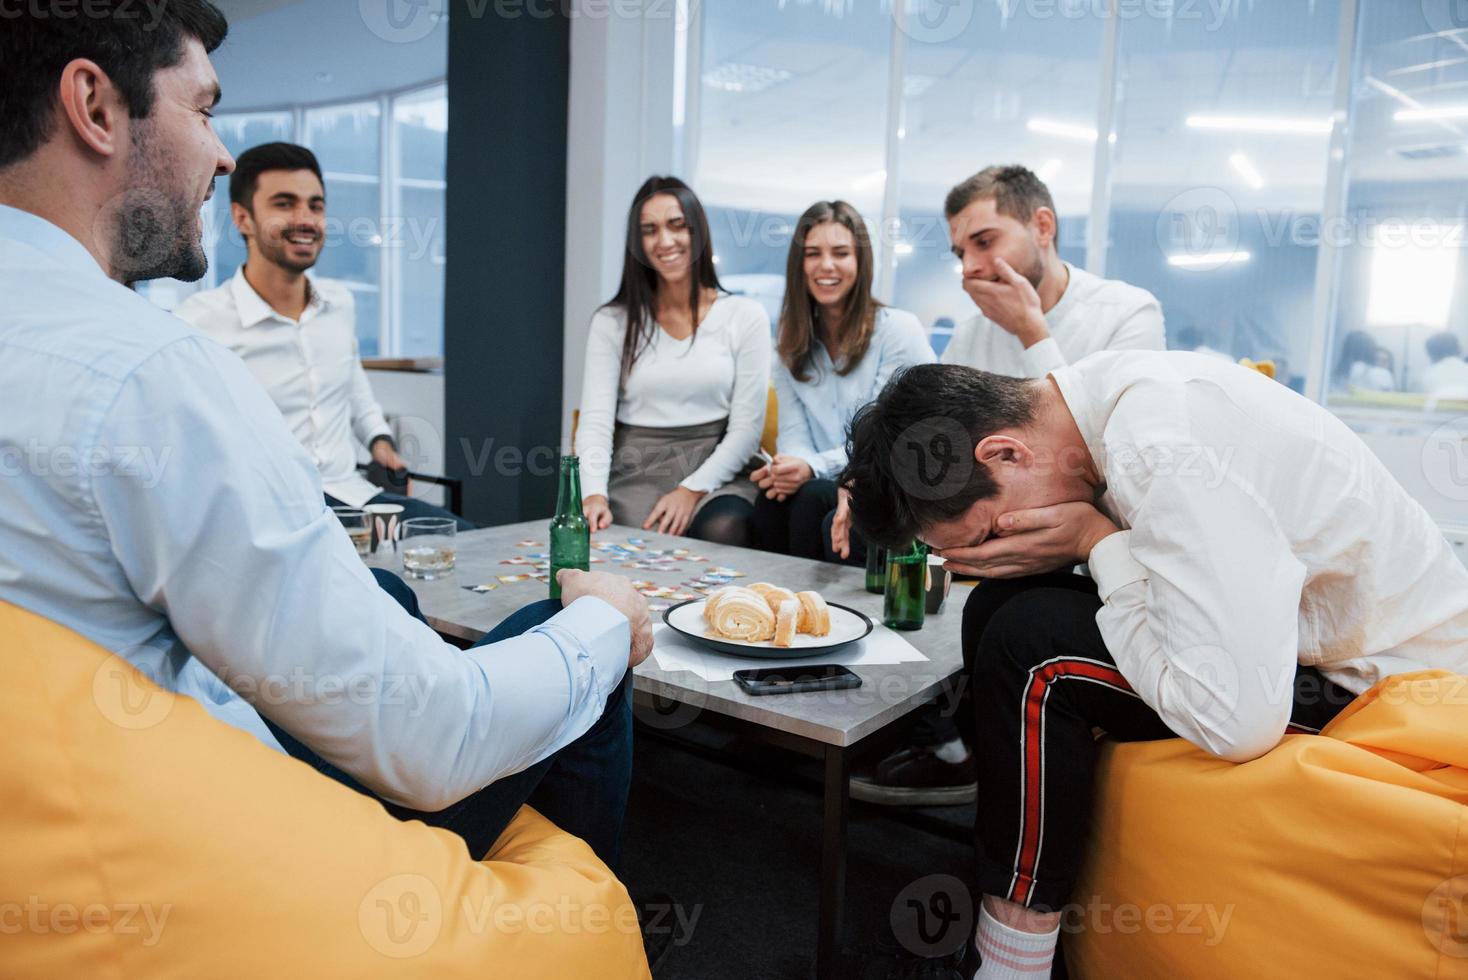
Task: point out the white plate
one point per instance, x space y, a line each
847 625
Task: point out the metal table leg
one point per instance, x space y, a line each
833 863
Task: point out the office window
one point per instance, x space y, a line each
347 141
1015 84
1219 172
792 102
416 244
1402 257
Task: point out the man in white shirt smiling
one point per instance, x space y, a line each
297 333
164 511
1254 567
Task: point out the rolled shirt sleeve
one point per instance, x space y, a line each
232 542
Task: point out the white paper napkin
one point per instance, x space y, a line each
674 651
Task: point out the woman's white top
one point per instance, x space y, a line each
814 413
723 371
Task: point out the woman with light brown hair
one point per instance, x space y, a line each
837 347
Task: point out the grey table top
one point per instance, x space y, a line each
837 718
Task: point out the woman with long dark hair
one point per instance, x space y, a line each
837 347
677 378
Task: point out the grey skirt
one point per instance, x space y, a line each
648 462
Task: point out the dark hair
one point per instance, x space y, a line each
262 159
928 414
1016 191
637 295
1356 346
799 313
1442 346
129 42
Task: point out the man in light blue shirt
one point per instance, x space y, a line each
154 501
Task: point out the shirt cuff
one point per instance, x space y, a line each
1112 566
603 638
1043 358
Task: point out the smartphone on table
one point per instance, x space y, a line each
796 679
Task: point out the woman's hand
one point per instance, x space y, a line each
674 512
597 511
782 476
841 524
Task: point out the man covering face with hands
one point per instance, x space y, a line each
1242 544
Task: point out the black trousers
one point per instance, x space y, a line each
800 525
1042 680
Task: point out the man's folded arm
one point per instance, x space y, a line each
1201 613
230 539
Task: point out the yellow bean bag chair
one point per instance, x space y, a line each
1343 854
140 838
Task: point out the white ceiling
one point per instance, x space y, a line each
288 52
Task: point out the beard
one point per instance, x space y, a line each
157 232
1034 269
278 253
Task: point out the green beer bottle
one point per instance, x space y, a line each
905 599
876 568
570 536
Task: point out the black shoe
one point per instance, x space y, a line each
655 918
915 776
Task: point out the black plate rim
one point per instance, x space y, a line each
768 653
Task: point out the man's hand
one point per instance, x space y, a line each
597 511
618 593
1011 302
674 512
1031 542
384 453
841 524
782 476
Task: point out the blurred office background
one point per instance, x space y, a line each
1281 175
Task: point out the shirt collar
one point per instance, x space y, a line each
1064 302
1083 410
43 236
253 309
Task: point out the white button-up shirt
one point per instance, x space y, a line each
1093 314
1263 534
309 367
153 501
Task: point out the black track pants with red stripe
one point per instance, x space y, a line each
1041 680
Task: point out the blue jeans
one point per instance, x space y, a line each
582 788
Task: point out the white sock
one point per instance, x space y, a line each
1009 954
952 751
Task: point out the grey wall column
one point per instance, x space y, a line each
503 290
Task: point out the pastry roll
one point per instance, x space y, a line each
743 615
815 616
713 601
786 621
777 597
